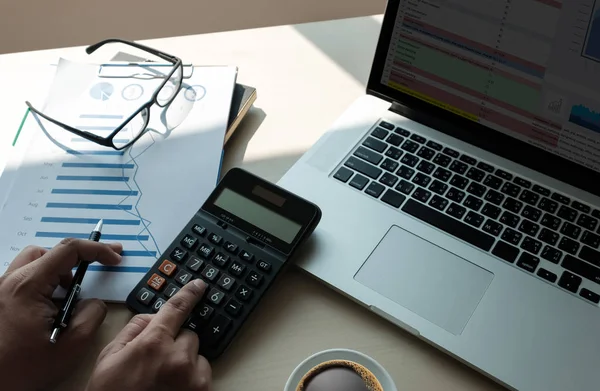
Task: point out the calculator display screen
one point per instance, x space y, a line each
256 214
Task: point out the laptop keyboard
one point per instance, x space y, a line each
541 232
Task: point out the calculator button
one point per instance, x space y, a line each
194 264
189 242
230 247
244 293
237 269
221 260
183 277
254 278
179 255
199 230
264 266
226 282
215 330
206 251
246 256
145 296
215 296
157 304
203 311
214 238
167 268
156 282
210 273
171 290
233 307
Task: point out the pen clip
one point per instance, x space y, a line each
69 302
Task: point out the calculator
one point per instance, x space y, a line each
239 241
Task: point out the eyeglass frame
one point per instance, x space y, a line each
108 141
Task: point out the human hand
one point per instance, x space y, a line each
153 353
28 361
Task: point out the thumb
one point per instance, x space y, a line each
87 318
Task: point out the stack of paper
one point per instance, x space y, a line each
57 185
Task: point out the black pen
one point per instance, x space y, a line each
62 320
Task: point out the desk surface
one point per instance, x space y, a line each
306 75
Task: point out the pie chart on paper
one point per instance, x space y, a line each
102 91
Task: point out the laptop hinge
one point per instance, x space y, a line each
398 108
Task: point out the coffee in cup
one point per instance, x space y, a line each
339 375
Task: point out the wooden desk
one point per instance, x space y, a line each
306 75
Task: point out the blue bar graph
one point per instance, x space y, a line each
98 165
84 235
101 116
73 220
92 178
97 153
96 127
139 254
131 193
67 205
126 193
118 269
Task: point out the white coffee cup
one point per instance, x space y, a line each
386 381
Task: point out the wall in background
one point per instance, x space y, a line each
41 24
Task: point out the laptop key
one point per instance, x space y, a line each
405 172
511 236
359 182
405 187
528 262
590 255
455 195
402 132
569 281
492 227
476 189
551 222
570 230
567 213
363 167
474 219
410 146
442 160
421 195
439 203
548 205
417 138
522 182
504 175
468 159
596 213
456 211
394 153
475 174
343 174
390 165
561 198
395 140
386 125
379 133
422 179
591 296
541 190
426 167
458 167
529 197
368 155
491 211
551 254
459 181
590 239
581 207
388 179
548 236
531 213
587 222
529 228
438 187
494 197
486 167
375 144
410 160
493 181
449 225
434 145
375 189
512 205
531 245
442 174
510 219
547 275
569 245
511 190
426 153
451 152
473 203
584 269
505 251
392 198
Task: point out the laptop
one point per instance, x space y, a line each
461 193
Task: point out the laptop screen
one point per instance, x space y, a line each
529 69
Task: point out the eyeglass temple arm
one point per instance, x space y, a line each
92 48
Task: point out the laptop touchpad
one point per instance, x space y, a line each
426 279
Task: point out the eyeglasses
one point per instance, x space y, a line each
136 124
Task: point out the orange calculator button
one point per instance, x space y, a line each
168 268
156 282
